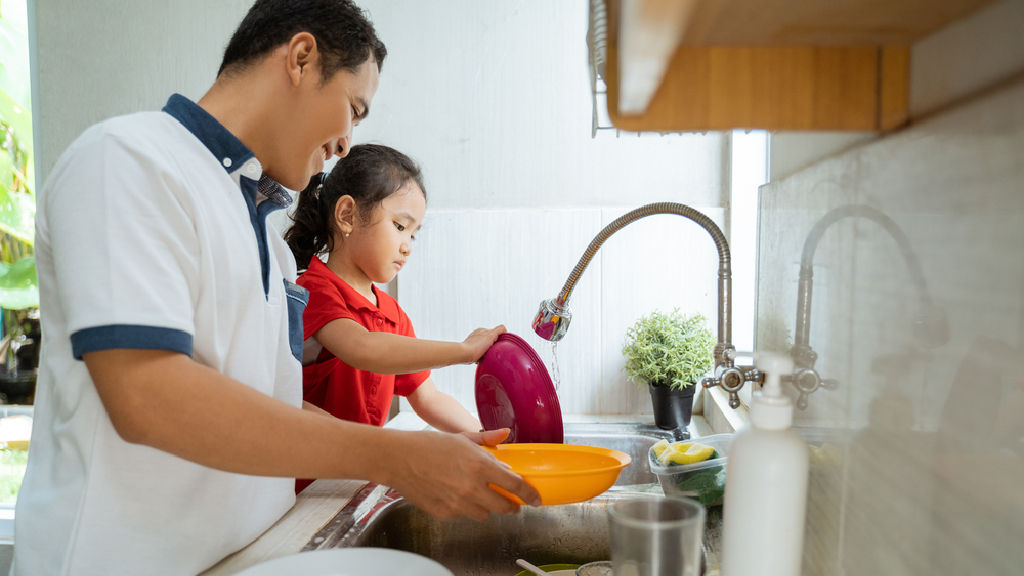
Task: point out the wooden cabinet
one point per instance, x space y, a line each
697 65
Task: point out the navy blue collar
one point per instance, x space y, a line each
224 145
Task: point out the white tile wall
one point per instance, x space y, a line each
931 475
483 268
480 268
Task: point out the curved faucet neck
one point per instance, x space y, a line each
724 350
806 279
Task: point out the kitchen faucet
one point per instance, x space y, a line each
553 317
930 326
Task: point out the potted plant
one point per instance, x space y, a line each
670 353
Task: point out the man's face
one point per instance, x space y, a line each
321 125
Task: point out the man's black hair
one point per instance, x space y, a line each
345 37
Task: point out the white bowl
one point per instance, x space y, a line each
349 562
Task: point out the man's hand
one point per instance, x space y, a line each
447 476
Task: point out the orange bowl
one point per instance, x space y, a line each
562 473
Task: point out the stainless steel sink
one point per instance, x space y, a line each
573 533
633 439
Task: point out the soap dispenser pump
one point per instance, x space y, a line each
766 484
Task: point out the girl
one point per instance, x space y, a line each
360 348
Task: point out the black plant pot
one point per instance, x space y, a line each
672 407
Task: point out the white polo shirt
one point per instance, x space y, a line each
150 234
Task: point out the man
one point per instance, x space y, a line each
168 429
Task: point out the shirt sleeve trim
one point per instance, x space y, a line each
130 336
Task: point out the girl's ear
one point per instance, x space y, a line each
345 214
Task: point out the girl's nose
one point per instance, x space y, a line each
406 249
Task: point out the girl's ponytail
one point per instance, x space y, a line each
310 232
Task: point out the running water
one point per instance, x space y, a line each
554 365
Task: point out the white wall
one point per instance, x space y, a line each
104 58
492 98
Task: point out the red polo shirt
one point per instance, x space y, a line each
333 385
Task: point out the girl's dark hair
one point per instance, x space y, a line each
344 35
369 174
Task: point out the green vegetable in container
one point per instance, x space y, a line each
706 486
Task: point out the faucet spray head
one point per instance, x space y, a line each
552 320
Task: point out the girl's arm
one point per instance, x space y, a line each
385 353
441 410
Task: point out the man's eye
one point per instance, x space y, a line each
399 227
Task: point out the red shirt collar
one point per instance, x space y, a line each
386 305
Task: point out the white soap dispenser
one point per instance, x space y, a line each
766 484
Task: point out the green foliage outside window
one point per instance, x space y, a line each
18 285
12 471
19 291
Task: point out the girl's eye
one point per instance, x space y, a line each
399 227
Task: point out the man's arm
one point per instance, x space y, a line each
170 402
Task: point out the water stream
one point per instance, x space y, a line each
555 376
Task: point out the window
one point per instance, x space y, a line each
19 294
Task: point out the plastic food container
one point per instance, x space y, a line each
701 481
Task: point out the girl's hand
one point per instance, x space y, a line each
480 340
489 437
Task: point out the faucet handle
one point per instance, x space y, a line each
734 400
806 381
801 401
731 380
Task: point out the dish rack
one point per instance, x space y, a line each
597 48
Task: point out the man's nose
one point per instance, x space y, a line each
343 147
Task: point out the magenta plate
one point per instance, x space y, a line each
514 390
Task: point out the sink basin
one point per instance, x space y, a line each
633 439
572 533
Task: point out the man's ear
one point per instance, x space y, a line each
345 213
303 57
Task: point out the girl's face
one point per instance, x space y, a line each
381 247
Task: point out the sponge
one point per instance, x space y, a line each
683 453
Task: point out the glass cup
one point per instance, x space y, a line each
656 536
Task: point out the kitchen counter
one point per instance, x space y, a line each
318 504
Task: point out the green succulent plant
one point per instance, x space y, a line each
671 350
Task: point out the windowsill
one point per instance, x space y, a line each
6 524
722 418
